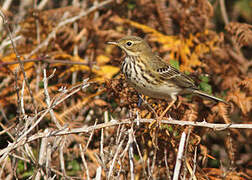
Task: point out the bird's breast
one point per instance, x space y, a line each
144 80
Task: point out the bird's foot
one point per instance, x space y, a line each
166 110
158 120
140 100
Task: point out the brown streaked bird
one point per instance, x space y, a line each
153 77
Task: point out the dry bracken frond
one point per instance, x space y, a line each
242 101
241 33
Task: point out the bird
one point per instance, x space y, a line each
151 76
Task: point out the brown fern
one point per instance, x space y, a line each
165 16
241 100
241 33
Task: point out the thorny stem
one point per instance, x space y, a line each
5 23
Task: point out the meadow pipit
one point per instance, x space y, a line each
153 77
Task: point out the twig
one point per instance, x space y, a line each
50 61
18 97
115 156
3 167
48 159
101 146
6 130
98 173
5 23
149 170
6 42
61 155
186 149
42 155
84 160
22 140
131 158
5 6
38 66
42 4
166 165
22 99
171 121
154 159
179 156
90 138
47 97
30 153
194 164
65 22
224 12
140 155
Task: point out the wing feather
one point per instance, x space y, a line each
170 73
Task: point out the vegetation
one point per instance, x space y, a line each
68 113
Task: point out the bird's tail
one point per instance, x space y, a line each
208 96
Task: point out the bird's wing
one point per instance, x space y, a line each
170 73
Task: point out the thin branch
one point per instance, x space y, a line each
194 164
42 4
115 157
5 6
21 65
61 156
48 160
39 117
168 174
98 173
179 156
65 131
224 12
84 160
7 42
131 154
47 97
49 61
186 149
65 22
42 156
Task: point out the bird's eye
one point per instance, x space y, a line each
129 43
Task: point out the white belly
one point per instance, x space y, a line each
160 92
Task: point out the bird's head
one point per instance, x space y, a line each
132 45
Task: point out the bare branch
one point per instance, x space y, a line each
179 156
65 22
47 97
131 158
224 12
21 65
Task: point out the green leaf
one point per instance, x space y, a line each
74 165
20 166
204 79
131 5
204 86
187 72
41 84
165 126
136 157
174 63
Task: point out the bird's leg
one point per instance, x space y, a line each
143 100
158 119
179 101
140 100
168 107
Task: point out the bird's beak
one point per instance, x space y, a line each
112 43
